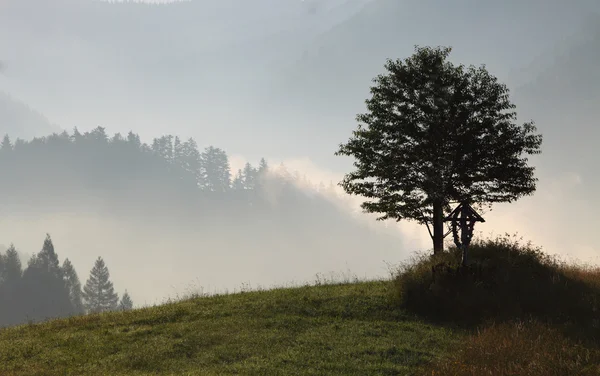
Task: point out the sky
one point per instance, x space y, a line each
284 79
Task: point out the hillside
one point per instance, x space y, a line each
347 329
340 62
541 320
19 120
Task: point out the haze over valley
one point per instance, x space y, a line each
279 79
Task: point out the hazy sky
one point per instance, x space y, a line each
284 79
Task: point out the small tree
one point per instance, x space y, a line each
73 285
126 303
435 134
98 293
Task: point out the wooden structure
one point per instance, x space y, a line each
463 218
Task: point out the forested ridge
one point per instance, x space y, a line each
169 186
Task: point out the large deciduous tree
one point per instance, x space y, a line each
436 133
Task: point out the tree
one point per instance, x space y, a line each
45 294
126 303
6 145
73 286
238 182
249 174
215 168
10 279
48 259
436 134
98 293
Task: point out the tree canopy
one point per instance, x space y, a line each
436 133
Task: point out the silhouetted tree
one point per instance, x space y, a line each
98 292
238 182
249 175
192 161
126 303
215 170
10 280
436 133
6 145
74 286
44 287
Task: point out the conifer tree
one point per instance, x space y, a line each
44 287
126 303
98 293
249 174
73 285
215 169
238 181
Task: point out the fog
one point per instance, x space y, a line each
284 80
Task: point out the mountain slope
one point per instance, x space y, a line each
503 35
19 121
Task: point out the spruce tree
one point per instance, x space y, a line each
74 286
238 182
10 279
98 293
249 175
43 289
126 303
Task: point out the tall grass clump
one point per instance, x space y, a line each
505 279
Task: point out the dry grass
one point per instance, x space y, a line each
516 349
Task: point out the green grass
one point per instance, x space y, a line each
516 311
345 329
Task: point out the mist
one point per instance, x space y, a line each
282 80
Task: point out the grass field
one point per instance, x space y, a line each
349 329
518 312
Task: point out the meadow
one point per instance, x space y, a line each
516 311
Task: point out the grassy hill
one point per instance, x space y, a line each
516 312
349 329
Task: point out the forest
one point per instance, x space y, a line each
170 185
46 289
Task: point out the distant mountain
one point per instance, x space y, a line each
19 120
505 35
562 95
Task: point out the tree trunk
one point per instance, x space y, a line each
438 227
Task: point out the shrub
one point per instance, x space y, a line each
504 280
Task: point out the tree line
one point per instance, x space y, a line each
46 289
169 170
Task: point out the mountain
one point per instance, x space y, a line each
505 36
18 120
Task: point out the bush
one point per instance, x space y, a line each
504 280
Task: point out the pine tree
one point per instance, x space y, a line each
45 294
238 181
126 303
6 145
10 279
98 293
47 258
74 286
192 161
215 169
250 175
263 167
